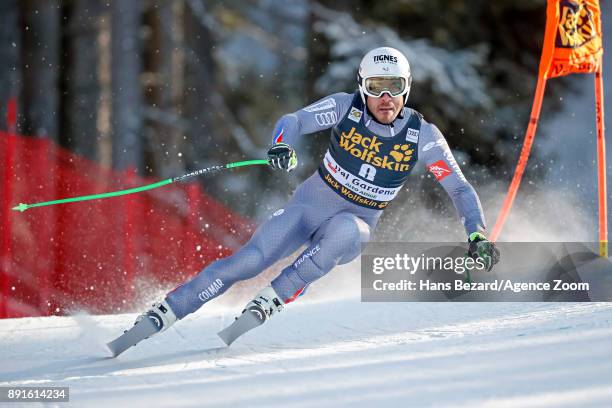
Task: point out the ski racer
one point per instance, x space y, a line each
375 142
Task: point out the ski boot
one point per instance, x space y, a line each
265 304
256 312
155 320
160 314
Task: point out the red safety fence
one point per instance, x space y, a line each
102 256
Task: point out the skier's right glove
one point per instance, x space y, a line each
282 156
481 247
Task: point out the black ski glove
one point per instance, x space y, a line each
481 247
282 156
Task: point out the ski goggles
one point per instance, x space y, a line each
376 86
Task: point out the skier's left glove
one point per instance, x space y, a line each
481 247
282 156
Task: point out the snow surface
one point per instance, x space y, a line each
329 353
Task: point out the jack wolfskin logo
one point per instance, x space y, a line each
401 153
367 149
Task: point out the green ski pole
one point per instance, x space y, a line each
22 207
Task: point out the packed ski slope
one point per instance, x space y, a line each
330 353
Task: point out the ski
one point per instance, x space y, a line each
250 319
140 331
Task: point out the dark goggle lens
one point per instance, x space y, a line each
376 86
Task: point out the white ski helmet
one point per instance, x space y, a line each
384 64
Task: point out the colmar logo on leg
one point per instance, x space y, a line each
439 169
211 290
